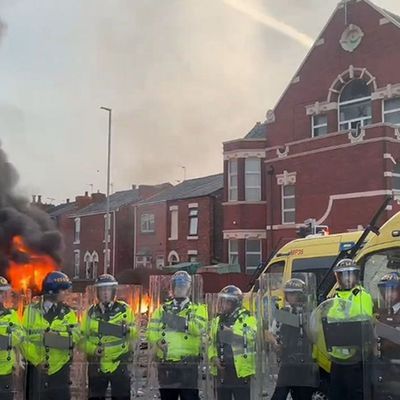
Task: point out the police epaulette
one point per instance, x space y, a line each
355 291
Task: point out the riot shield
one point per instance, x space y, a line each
285 311
342 330
111 334
176 334
383 364
234 348
12 369
56 366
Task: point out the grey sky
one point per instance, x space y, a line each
181 75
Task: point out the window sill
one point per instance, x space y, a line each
147 232
171 239
233 203
192 238
77 242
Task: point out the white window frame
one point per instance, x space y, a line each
174 223
88 260
285 197
147 221
230 175
160 262
249 172
95 264
258 253
384 113
77 263
314 127
77 230
360 119
233 253
193 218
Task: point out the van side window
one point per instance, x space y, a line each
317 265
276 269
378 264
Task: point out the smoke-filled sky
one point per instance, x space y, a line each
182 76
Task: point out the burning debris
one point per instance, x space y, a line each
29 244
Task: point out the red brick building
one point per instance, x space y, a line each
83 225
181 224
330 149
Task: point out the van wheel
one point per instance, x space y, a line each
319 396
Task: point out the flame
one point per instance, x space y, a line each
145 303
29 275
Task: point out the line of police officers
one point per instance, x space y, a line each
365 357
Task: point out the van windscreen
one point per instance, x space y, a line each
317 265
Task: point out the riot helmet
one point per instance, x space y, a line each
55 284
181 283
106 288
294 290
230 298
347 274
389 290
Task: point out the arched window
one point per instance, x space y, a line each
95 263
355 105
173 258
88 264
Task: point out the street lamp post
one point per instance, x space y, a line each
107 229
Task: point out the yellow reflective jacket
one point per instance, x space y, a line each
36 325
244 350
180 342
10 327
108 350
361 309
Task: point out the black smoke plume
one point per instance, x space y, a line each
19 218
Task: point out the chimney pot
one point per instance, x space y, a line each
39 198
86 194
67 201
34 198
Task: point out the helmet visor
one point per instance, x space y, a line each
180 287
389 296
106 294
348 278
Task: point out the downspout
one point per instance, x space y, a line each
134 235
271 172
114 241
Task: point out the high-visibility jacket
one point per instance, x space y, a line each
243 346
36 326
180 330
11 331
99 341
361 309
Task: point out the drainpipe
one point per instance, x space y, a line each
134 235
271 172
114 230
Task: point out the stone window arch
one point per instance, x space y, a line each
173 258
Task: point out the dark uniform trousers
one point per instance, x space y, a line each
296 392
229 386
6 387
179 380
119 380
347 382
41 386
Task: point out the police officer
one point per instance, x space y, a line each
109 333
347 368
386 362
175 330
298 373
10 337
232 350
51 332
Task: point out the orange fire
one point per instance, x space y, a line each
145 303
29 275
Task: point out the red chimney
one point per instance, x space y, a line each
98 197
83 201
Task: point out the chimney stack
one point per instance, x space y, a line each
34 198
39 198
67 201
86 194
